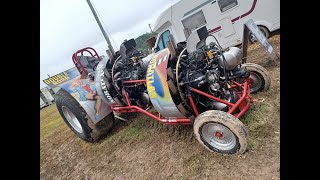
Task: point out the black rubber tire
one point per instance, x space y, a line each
227 120
262 73
264 30
90 132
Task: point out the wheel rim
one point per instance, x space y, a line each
71 118
252 38
218 136
257 81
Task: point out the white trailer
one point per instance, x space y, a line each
42 103
223 18
46 93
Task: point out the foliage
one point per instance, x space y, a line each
141 40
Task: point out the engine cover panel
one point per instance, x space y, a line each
100 83
157 85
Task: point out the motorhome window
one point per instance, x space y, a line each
195 21
227 4
163 40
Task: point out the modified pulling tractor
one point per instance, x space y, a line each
192 83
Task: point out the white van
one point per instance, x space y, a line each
223 18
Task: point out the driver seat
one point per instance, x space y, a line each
89 62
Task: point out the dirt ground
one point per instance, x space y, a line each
146 149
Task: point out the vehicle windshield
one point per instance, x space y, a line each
163 40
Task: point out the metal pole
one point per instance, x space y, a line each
150 28
101 27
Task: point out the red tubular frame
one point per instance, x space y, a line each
122 109
193 105
130 108
134 81
243 104
76 60
211 97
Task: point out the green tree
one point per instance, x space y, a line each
141 40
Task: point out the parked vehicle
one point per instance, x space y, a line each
223 18
196 83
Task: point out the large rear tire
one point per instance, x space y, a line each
78 121
221 132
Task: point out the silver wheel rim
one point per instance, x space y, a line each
71 118
252 38
257 81
218 136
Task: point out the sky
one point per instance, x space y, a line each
67 26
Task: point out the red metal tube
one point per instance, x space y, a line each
140 110
237 84
193 105
212 97
86 49
166 120
126 96
76 61
245 88
245 108
134 81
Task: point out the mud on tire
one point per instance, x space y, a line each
82 126
234 139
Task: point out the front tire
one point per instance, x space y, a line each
221 132
78 121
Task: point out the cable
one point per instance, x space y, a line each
223 58
177 75
216 41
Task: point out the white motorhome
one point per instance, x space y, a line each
223 18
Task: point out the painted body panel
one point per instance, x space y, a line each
70 81
157 85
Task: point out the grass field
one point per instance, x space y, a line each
146 149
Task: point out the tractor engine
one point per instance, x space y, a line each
130 66
169 78
111 75
209 69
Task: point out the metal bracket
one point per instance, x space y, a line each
250 26
120 118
